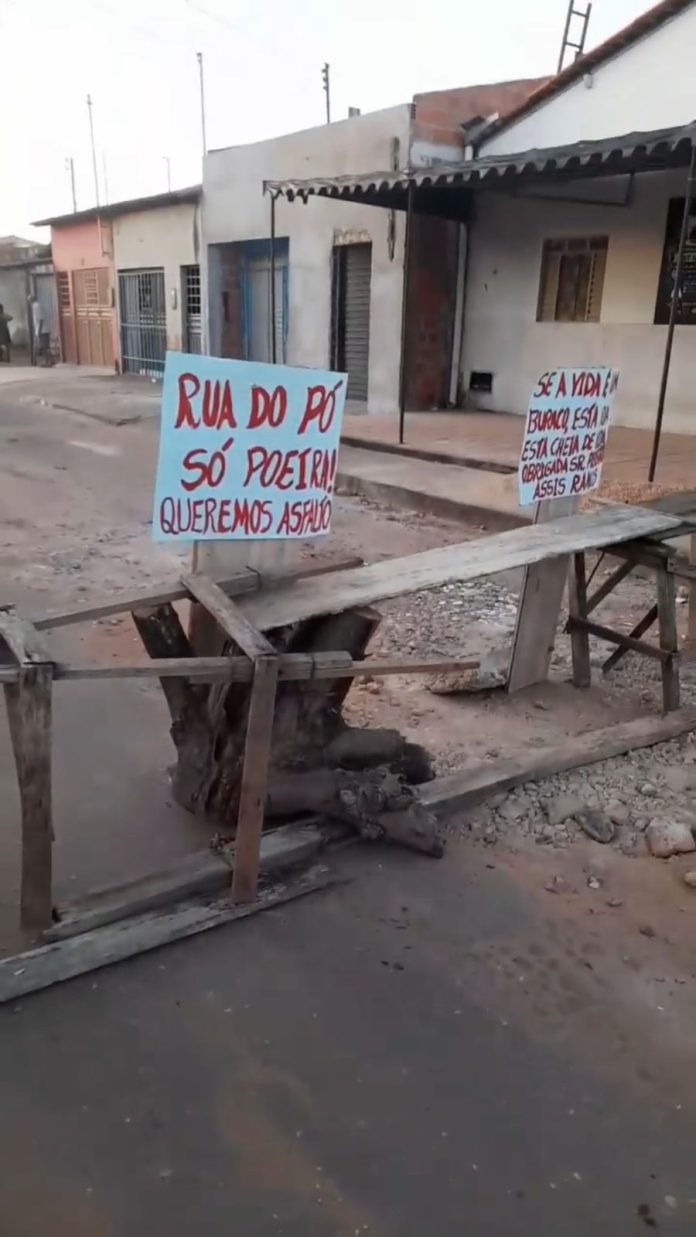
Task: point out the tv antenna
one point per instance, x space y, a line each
574 32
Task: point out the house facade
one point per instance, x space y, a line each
128 281
339 267
582 272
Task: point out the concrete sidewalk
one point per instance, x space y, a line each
462 465
450 491
495 438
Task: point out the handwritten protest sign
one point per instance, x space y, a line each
565 435
246 450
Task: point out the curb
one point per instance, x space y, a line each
428 504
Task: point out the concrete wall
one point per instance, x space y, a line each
501 332
648 86
81 245
13 296
235 209
166 237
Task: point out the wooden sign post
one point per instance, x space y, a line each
561 459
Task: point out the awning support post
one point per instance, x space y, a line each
673 313
404 307
274 342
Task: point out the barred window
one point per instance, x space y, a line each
572 279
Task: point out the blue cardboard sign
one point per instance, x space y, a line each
247 450
565 434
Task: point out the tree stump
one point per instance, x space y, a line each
319 764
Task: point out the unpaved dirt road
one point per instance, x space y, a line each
498 1044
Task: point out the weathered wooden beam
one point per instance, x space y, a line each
252 795
29 714
228 616
463 790
578 608
640 629
202 873
669 639
53 963
247 581
291 667
617 637
607 586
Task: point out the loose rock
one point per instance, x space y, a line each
689 879
595 824
669 837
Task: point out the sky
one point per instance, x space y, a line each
262 68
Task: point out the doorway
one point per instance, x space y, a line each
143 321
350 315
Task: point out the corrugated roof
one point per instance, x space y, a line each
659 148
644 25
172 198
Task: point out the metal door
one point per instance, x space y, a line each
45 293
191 297
352 270
256 283
143 321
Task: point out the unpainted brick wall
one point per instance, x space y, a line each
432 287
439 114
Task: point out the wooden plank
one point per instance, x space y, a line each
228 616
246 581
291 667
487 556
669 639
578 609
462 790
53 963
252 795
691 628
629 643
29 714
22 638
639 630
206 872
539 608
608 586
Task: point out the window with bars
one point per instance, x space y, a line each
63 284
572 279
192 286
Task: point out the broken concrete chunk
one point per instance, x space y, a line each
669 837
562 807
595 824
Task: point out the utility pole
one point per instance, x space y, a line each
94 152
199 58
106 179
70 165
327 90
168 162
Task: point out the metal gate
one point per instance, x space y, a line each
191 297
45 293
256 299
143 321
352 269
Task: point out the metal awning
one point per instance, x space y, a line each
611 156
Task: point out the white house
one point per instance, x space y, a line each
339 267
565 270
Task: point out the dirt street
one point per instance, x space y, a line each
500 1043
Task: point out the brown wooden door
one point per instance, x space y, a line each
94 317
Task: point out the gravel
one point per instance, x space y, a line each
544 811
